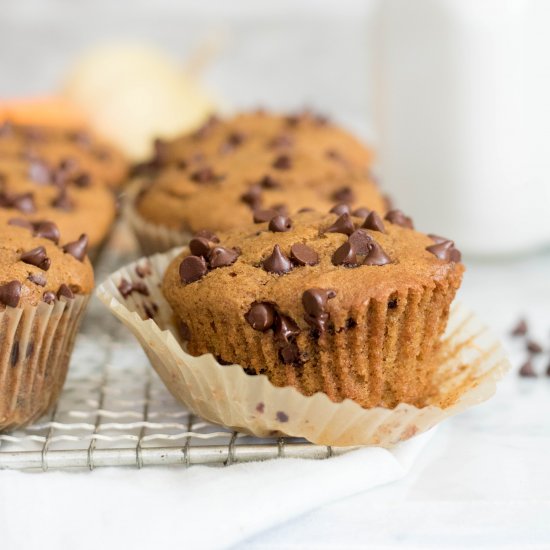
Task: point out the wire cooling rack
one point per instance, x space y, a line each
115 411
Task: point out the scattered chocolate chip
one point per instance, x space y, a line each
361 212
534 347
65 292
261 216
376 256
10 293
344 224
253 197
527 369
281 209
222 257
205 175
260 407
23 202
345 194
260 316
282 416
269 182
277 262
305 209
281 141
126 288
444 250
282 162
374 223
206 234
520 329
46 230
39 172
234 139
345 255
314 301
285 329
340 209
37 279
143 270
77 248
20 222
289 354
184 330
63 201
280 224
199 246
48 297
398 218
301 254
192 268
37 257
437 238
361 241
82 180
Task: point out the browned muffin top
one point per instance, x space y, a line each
37 265
220 175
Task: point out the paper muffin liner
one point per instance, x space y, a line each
151 237
35 347
470 363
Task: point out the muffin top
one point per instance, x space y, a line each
307 267
37 265
57 148
77 201
222 174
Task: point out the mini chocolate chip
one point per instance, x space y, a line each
253 197
39 172
48 297
345 255
361 212
24 203
285 329
314 301
443 250
398 218
340 209
37 279
289 354
199 246
192 268
65 292
269 182
207 234
438 239
361 241
205 175
260 407
222 257
344 224
534 347
281 141
376 256
520 329
184 330
126 288
261 216
280 224
277 262
301 254
82 180
260 316
47 230
77 248
233 140
282 416
10 293
527 369
305 209
282 162
345 194
374 222
37 257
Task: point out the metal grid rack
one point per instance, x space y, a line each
115 411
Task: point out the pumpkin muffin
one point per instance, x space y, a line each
351 306
250 165
45 283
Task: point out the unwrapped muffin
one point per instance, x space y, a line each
350 306
45 284
231 171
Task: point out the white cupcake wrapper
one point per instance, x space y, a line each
472 361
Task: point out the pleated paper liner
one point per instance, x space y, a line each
471 362
35 347
152 238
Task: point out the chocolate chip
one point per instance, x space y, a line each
305 209
10 293
206 128
23 202
437 238
361 241
260 316
268 182
280 224
301 254
534 347
277 262
205 175
20 222
261 216
444 251
253 197
222 257
282 416
199 246
345 255
282 162
37 279
527 370
285 329
65 292
126 288
192 268
281 209
143 270
520 329
77 248
345 194
376 256
48 297
281 141
260 407
340 209
82 180
46 230
361 212
206 234
344 224
398 218
314 301
234 139
37 257
63 201
374 223
39 172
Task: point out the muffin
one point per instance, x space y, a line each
45 284
350 306
229 172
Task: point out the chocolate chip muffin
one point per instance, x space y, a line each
45 283
252 165
352 306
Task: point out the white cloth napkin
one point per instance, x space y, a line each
199 507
